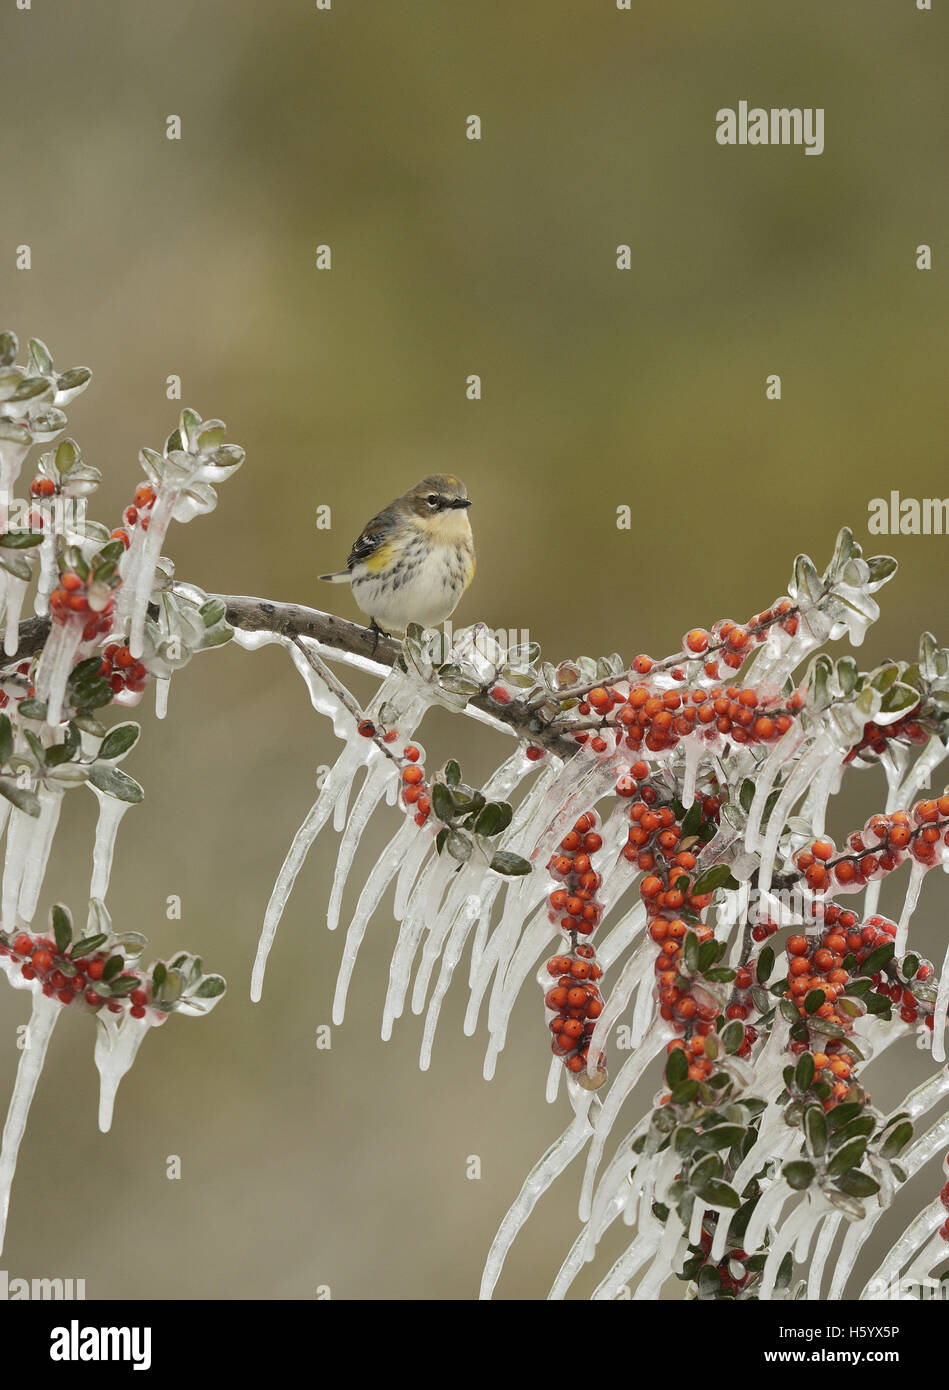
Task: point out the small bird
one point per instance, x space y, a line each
415 558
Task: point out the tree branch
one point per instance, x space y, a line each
292 620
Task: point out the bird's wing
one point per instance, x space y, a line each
371 547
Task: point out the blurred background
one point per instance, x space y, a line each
197 258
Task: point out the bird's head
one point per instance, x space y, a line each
441 502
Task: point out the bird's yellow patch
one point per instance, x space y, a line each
379 559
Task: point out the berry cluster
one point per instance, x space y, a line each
136 514
820 969
657 720
876 737
120 669
882 845
575 1002
726 643
416 792
85 596
95 978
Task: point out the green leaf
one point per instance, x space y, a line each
733 1035
459 845
440 839
720 1194
897 1139
718 876
17 565
452 773
746 794
685 1092
799 1174
87 944
112 967
815 1129
210 987
857 1184
765 964
721 1137
61 923
495 817
124 985
677 1067
504 862
114 782
21 540
876 960
212 612
848 1156
6 738
23 800
692 820
442 803
909 967
804 1073
119 740
842 1114
813 1000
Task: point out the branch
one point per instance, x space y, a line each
292 620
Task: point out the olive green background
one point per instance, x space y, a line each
151 257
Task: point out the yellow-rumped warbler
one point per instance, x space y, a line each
415 558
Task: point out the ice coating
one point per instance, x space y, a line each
111 811
29 1069
117 1045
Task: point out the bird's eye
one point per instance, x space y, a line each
432 499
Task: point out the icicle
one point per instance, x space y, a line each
380 771
116 1048
766 1212
38 851
30 1067
825 1241
18 843
577 1256
627 1078
468 915
16 593
915 1233
637 969
49 572
622 934
766 775
130 567
554 1075
693 757
55 665
825 785
162 687
507 985
807 768
316 818
386 868
558 1157
111 811
939 1011
801 1222
916 875
426 895
158 523
663 1261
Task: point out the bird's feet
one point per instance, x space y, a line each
377 632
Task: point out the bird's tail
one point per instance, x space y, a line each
339 577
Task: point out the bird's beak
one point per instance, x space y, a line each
461 502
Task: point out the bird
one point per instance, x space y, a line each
413 560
